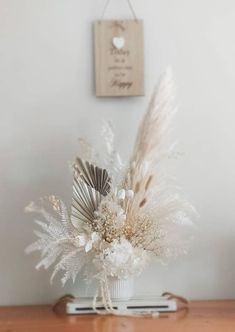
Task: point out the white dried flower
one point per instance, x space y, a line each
88 240
120 259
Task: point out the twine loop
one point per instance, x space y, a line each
129 5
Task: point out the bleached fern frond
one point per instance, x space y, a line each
70 264
58 241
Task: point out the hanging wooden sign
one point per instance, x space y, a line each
119 58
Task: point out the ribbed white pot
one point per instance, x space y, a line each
121 289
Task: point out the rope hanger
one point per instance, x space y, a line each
129 5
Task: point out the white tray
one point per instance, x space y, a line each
150 305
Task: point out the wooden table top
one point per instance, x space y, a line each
202 316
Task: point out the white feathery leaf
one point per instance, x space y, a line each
112 160
58 240
85 150
70 263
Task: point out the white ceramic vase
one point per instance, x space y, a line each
121 289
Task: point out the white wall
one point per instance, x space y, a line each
47 101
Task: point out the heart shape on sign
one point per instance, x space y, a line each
118 42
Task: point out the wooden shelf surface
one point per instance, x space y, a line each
202 316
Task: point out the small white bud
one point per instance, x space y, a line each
121 194
129 194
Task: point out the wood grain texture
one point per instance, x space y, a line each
119 72
205 316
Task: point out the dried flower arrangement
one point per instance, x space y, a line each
120 216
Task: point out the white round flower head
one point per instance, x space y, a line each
121 259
